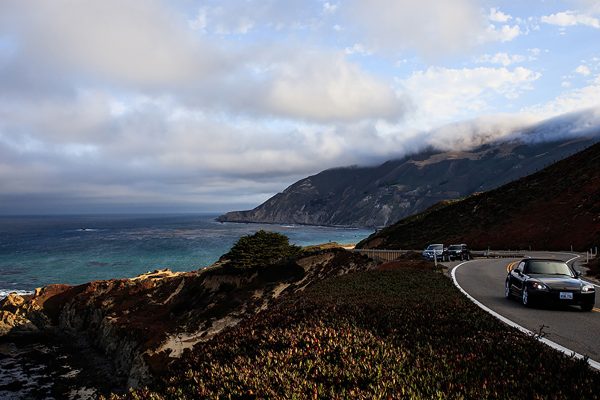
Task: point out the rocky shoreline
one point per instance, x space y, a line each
41 366
105 336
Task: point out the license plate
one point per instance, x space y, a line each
566 296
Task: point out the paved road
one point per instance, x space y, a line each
569 326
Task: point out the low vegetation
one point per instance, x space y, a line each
324 246
394 333
594 268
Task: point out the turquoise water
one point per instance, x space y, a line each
36 251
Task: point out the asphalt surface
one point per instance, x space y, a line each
568 326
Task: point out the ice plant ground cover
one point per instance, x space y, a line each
405 333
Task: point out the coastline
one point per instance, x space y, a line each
50 250
140 325
293 224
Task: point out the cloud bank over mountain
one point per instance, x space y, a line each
154 105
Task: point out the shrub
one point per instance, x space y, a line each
262 248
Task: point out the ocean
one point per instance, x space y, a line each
40 250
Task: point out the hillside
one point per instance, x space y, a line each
553 209
377 334
125 332
323 324
378 196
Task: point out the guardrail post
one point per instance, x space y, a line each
587 257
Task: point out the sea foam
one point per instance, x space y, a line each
6 292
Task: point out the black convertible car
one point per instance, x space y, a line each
536 280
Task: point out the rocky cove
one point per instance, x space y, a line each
106 336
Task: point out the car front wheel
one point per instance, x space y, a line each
525 297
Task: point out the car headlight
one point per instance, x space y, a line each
587 288
539 286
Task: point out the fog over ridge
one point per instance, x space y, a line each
109 105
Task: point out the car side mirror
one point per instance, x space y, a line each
577 274
518 271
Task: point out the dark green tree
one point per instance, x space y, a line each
262 248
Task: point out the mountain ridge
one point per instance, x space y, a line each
381 195
557 208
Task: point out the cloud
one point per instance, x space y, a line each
444 94
589 6
243 17
149 49
505 33
134 42
358 48
495 15
468 134
583 70
303 83
154 103
323 87
571 18
330 8
430 27
504 59
568 101
156 151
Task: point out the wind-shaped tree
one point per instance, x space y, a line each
262 248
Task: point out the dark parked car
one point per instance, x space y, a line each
457 252
544 281
434 250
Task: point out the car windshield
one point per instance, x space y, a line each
455 247
435 247
548 268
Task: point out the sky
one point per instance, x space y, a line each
190 106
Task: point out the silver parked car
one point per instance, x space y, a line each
434 250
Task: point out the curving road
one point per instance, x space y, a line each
579 331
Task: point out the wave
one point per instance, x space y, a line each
6 292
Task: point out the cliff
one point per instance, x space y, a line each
143 324
379 196
553 209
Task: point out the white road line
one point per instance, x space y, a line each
554 345
571 259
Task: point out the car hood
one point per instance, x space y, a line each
559 282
